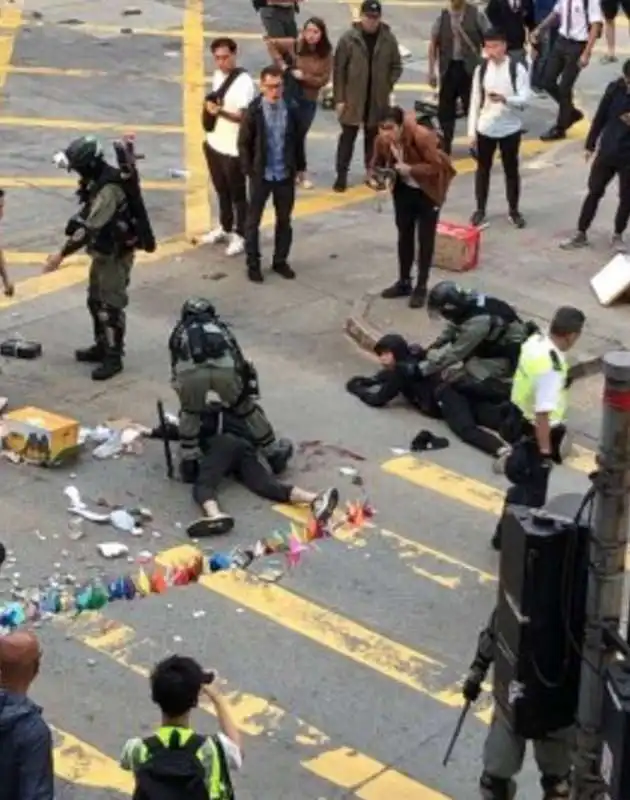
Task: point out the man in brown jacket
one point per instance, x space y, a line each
367 65
423 174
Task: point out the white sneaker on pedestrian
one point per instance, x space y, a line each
236 245
215 236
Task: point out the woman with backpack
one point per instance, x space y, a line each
307 66
500 92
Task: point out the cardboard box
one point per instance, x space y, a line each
456 247
40 437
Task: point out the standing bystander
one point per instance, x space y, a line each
580 25
515 18
367 66
232 91
307 66
423 175
278 17
500 93
26 757
455 50
610 130
271 150
544 44
610 11
4 275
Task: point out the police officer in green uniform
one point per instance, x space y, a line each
536 422
208 366
105 228
504 751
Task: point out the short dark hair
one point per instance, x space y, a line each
567 320
271 71
394 114
494 35
223 41
175 685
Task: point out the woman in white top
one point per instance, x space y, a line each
500 93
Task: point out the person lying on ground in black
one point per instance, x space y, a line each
227 452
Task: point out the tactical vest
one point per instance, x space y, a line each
446 40
118 234
199 342
537 358
496 345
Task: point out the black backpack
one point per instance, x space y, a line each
172 773
483 68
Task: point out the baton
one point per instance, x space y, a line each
168 455
456 732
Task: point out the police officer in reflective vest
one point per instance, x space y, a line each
535 425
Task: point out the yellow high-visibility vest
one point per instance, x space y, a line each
538 356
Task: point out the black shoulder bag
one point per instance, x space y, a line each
208 120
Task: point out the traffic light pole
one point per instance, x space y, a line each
606 570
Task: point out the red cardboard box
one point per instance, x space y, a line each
457 247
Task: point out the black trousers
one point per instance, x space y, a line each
455 85
229 455
416 219
468 418
279 22
561 73
345 146
602 173
509 147
229 186
283 197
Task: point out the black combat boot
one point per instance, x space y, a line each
493 788
96 352
112 363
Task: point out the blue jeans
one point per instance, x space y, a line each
545 44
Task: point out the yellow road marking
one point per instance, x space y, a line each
84 125
79 763
197 201
10 20
38 182
55 71
163 33
10 17
581 459
255 716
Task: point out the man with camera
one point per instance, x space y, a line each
232 91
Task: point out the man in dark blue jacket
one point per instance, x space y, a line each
610 136
26 762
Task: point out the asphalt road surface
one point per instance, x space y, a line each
344 674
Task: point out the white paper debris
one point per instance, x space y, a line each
349 472
122 520
112 549
400 451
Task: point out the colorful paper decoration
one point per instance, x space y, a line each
292 543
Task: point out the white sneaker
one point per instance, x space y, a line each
236 245
216 236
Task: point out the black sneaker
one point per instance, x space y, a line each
576 242
554 134
517 219
255 275
284 270
324 505
478 218
418 297
341 184
398 289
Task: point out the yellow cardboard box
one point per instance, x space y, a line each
39 436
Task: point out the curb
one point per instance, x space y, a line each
360 330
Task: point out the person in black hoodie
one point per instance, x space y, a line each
26 761
514 18
610 135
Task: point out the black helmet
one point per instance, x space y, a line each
448 300
83 154
197 307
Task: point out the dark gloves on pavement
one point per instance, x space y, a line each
359 382
189 470
471 689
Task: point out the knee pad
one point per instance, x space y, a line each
93 306
112 317
556 787
493 788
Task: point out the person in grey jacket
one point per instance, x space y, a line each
26 758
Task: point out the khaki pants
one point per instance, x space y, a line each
108 280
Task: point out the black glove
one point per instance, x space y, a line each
471 689
189 470
359 382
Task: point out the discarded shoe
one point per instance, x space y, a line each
425 440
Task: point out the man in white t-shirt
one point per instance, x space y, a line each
232 91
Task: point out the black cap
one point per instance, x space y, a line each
371 7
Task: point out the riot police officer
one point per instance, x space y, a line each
535 424
504 750
111 224
207 362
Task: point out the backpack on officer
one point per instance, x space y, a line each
176 763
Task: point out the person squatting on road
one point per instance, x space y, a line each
454 51
535 424
504 751
367 66
111 225
271 150
423 174
176 761
26 752
226 450
609 135
500 92
207 360
307 66
232 91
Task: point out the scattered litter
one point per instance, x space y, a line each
116 439
126 30
119 518
123 521
178 174
112 549
348 472
40 536
198 614
144 557
177 639
91 662
399 451
131 12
